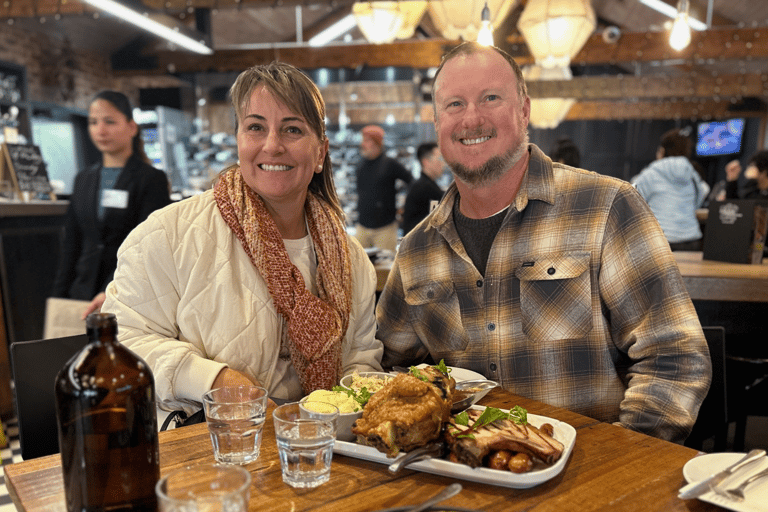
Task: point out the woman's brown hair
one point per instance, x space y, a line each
300 94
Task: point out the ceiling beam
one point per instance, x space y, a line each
712 45
623 87
415 54
707 109
36 8
716 44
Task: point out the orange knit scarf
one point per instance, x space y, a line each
316 325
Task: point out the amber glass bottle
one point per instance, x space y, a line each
105 401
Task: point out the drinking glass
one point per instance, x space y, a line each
305 442
235 418
205 487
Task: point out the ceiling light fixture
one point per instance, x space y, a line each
150 25
383 22
556 30
485 35
339 28
547 113
458 19
680 35
668 10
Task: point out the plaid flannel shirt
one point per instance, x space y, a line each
582 305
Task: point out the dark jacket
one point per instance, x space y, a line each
89 250
422 192
377 190
749 191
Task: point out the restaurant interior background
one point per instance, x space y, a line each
618 86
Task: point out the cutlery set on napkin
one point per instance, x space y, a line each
716 483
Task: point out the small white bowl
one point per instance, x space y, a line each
344 422
346 381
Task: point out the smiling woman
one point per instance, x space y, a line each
267 288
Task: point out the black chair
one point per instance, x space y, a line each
34 365
713 415
748 388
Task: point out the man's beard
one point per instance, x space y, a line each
493 169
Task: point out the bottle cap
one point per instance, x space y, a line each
96 323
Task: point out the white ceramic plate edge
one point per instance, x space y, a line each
703 466
564 433
459 374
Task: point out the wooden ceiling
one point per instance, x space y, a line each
724 69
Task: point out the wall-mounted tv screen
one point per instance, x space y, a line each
719 137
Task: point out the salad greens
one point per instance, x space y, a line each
361 397
489 415
441 367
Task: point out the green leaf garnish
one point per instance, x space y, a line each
442 368
361 397
519 415
489 415
417 373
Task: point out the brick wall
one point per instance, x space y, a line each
57 73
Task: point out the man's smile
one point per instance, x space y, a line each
470 142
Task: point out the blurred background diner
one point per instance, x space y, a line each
615 86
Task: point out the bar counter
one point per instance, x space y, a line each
30 238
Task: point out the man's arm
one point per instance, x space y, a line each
402 345
653 322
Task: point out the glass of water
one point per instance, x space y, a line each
305 442
209 487
235 418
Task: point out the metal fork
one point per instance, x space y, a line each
737 493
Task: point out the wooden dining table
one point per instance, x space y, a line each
609 468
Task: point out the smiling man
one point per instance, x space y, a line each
554 281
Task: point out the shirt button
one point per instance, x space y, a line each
493 367
551 270
479 283
430 294
491 327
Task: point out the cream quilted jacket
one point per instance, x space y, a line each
189 301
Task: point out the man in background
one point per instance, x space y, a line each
377 177
757 171
556 282
566 152
424 190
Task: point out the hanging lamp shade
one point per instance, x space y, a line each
383 22
548 112
556 30
461 19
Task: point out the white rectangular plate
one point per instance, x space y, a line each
540 473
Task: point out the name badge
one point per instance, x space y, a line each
111 198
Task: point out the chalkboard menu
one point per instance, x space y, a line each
27 163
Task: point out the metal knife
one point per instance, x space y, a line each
696 489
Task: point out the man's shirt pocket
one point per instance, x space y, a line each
556 297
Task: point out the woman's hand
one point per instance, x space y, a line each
732 170
231 378
95 305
